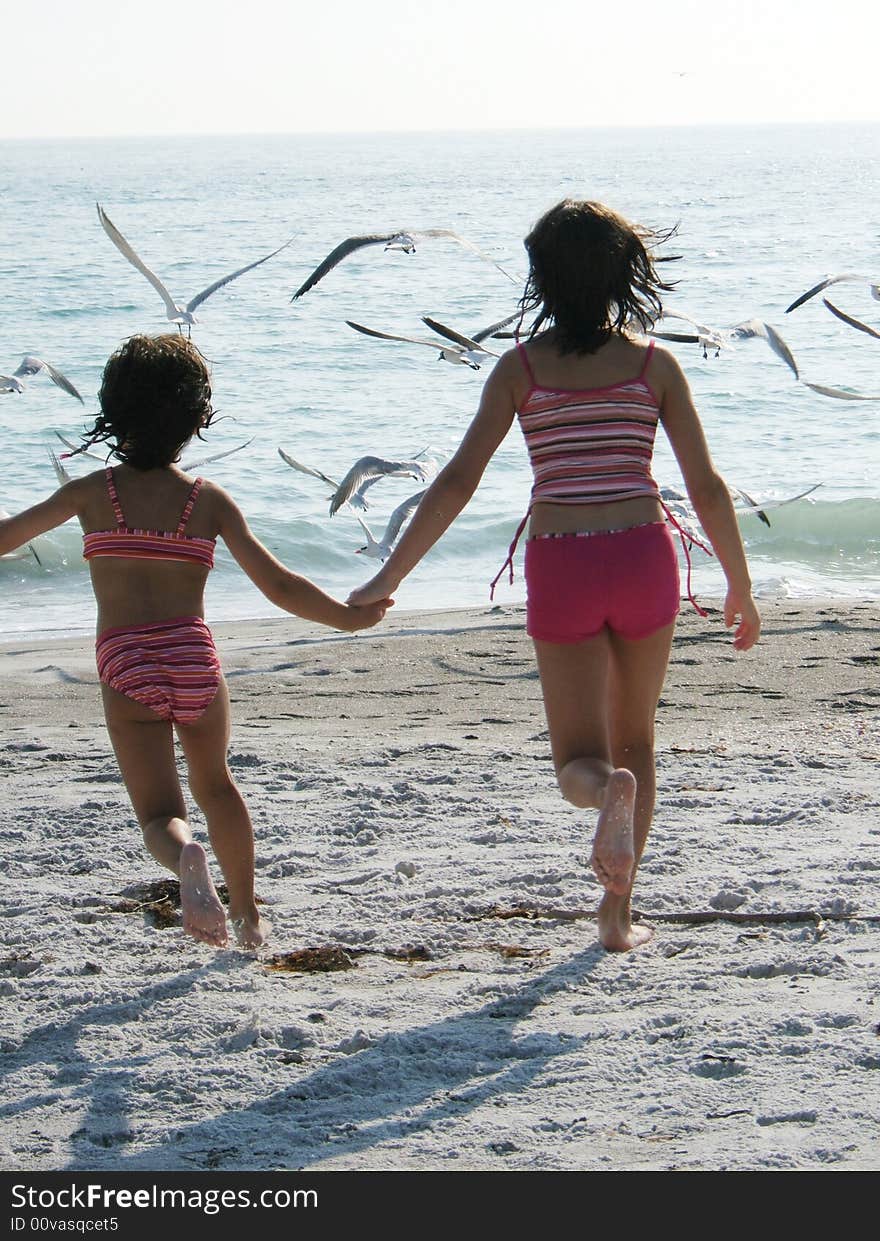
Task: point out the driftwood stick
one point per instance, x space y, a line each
693 917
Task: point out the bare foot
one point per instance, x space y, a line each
203 916
250 933
616 931
613 853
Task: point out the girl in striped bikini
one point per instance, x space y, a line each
600 564
149 536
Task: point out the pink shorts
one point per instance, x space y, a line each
579 583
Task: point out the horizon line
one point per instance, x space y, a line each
368 133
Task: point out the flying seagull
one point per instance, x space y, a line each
355 500
365 473
29 366
377 467
848 277
174 312
467 355
682 508
856 323
472 346
380 549
719 338
399 240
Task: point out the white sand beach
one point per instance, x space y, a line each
407 818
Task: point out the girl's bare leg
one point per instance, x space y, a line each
600 698
229 826
144 747
637 672
574 681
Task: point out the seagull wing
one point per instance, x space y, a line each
373 468
305 469
60 473
410 340
399 516
687 337
80 453
371 538
218 456
467 343
486 332
856 323
817 288
8 384
126 251
702 328
30 365
336 256
840 393
757 327
468 245
218 284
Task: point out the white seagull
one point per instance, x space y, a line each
174 312
473 348
681 507
355 500
399 240
380 549
365 472
470 354
719 338
856 323
847 278
28 366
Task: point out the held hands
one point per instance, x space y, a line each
365 616
741 607
374 591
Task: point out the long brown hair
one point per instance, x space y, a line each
591 273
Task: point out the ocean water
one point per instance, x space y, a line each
763 213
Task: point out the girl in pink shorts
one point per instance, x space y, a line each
589 391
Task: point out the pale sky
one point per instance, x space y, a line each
117 67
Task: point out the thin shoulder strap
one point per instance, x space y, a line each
188 507
521 350
114 498
648 355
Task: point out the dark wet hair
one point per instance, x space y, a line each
155 395
591 273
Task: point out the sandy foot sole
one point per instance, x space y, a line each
203 915
613 854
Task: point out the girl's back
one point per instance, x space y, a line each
617 361
135 573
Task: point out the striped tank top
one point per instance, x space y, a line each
590 445
149 544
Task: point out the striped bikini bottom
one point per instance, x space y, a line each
170 666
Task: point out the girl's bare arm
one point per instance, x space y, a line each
709 495
284 588
453 486
55 511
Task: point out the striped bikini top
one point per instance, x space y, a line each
590 445
149 544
